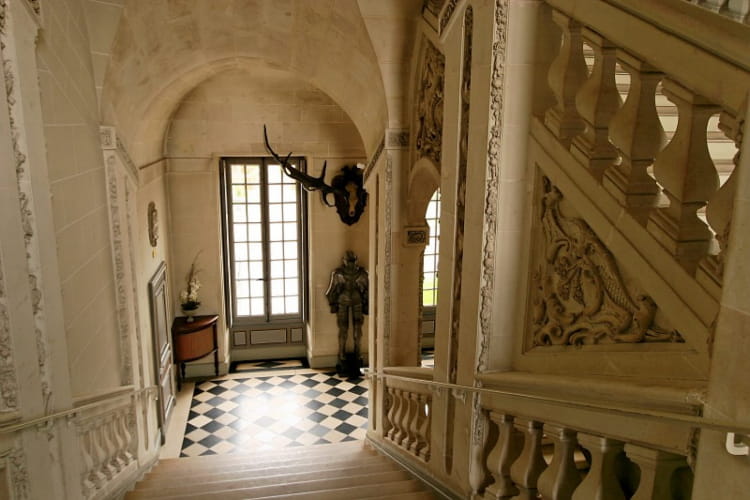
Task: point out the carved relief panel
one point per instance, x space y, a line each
579 295
429 107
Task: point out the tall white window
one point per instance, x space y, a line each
263 240
430 262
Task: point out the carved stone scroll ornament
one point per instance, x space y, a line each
579 296
430 104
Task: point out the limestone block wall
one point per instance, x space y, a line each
77 187
224 116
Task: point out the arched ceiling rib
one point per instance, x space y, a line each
165 48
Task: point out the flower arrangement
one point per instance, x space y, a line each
189 296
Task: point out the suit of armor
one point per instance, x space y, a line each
347 296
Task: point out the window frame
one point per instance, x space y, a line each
428 311
228 252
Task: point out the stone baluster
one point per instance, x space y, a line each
530 464
112 464
561 478
721 205
501 457
392 412
409 415
636 132
403 408
416 422
738 9
597 102
424 428
120 441
657 468
100 475
566 75
688 176
478 476
128 438
601 482
87 450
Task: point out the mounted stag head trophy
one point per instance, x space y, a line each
349 196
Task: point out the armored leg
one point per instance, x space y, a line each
342 320
357 320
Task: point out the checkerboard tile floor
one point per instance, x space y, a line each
283 364
236 415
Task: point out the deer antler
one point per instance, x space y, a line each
309 183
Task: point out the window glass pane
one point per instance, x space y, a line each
292 304
256 270
253 212
277 305
430 262
276 233
277 269
290 268
255 232
256 288
290 250
256 251
277 288
277 250
243 288
275 213
290 212
290 193
238 213
253 174
290 231
238 193
257 308
238 174
240 251
274 194
241 270
290 286
274 174
253 194
240 232
243 307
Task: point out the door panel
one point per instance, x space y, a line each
162 346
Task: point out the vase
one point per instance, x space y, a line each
190 313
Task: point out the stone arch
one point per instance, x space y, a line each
424 179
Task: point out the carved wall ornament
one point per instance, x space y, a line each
448 11
388 264
492 180
416 236
429 126
153 224
8 385
579 296
35 6
433 6
397 139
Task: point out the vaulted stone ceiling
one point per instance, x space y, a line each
163 49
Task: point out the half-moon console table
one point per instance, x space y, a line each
194 340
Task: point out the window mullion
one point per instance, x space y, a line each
266 238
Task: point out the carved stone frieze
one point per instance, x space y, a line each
130 204
8 384
19 472
416 236
26 208
579 296
448 11
373 160
397 139
460 212
492 179
388 264
429 117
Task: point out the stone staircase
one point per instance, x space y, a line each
349 470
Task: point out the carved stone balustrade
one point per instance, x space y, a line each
530 464
657 470
686 172
566 75
602 480
408 419
638 135
501 456
561 478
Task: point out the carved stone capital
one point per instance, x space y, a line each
416 236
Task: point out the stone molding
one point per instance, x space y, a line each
429 108
374 160
492 180
579 296
19 472
446 15
111 141
9 52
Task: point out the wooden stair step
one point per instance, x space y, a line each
360 481
207 484
371 491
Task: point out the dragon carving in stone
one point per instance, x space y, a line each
580 297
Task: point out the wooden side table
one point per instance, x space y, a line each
193 341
